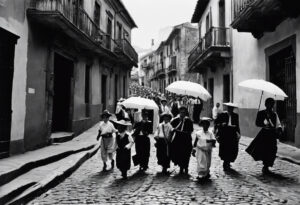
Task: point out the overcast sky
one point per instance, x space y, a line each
153 15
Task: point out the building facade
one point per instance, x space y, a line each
169 62
266 47
68 61
212 56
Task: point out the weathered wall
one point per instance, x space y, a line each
12 18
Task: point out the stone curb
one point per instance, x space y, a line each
53 180
9 176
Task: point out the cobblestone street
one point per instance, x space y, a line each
245 185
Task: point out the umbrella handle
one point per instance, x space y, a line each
260 100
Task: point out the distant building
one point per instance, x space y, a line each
62 63
169 62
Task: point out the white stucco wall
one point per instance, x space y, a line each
19 27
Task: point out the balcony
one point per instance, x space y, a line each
148 65
160 73
64 16
126 51
259 16
211 50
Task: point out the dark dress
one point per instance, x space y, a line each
197 110
181 145
227 136
142 143
174 109
264 146
123 157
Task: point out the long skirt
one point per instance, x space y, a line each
142 148
123 159
181 149
108 146
203 161
196 113
229 144
162 153
264 147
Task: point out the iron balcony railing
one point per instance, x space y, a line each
240 5
77 16
127 49
215 37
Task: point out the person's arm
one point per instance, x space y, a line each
131 142
195 142
260 119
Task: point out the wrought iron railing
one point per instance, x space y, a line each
240 5
127 49
215 37
77 16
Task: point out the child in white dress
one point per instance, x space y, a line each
203 145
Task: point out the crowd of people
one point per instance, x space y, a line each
173 136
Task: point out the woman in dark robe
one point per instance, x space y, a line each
198 105
228 135
181 145
264 146
142 141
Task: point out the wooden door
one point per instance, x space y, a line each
7 50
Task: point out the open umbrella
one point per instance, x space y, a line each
140 103
264 87
189 88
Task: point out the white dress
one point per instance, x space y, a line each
204 152
108 145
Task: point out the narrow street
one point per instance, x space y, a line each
245 185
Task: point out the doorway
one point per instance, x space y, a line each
283 74
7 51
116 89
103 91
61 115
226 88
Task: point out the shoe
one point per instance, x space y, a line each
186 171
181 171
265 170
124 175
104 167
112 164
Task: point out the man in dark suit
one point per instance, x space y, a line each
228 135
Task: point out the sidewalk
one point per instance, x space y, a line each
25 176
285 151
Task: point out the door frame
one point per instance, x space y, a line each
50 87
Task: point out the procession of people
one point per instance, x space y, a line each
173 134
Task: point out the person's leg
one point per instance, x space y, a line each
104 158
111 158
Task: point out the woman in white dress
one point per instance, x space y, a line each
204 143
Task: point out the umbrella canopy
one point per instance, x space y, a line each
189 88
264 86
140 103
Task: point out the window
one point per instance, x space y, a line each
97 13
119 34
87 84
226 88
208 22
177 43
126 35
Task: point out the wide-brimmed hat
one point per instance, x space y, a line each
123 122
105 113
166 114
230 104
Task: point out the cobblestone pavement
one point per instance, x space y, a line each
245 185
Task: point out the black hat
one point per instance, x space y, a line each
183 108
105 113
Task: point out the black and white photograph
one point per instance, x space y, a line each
148 102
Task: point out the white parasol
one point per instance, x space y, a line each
140 103
189 88
264 87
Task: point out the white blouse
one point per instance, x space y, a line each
107 127
202 137
167 129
